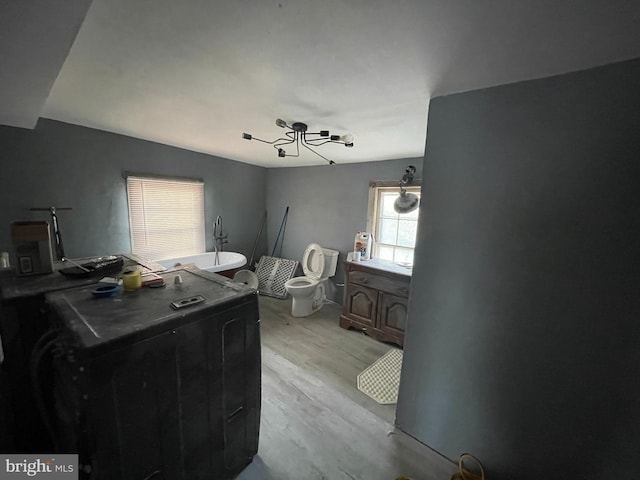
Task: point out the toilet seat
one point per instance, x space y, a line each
298 282
313 261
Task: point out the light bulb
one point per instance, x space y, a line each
281 123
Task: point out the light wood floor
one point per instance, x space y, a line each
315 423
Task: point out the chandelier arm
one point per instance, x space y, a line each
307 139
339 142
297 154
316 133
308 142
297 137
284 142
265 141
331 162
295 140
291 139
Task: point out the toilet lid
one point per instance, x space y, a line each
313 261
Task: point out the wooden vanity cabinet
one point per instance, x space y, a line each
376 299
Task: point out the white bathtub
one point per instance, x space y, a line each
206 261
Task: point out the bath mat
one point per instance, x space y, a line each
273 273
381 380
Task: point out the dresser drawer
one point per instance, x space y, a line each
397 286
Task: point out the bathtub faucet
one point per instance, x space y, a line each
218 238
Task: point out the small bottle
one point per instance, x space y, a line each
4 260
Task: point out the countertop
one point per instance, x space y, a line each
145 312
386 265
13 287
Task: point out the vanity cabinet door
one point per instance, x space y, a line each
361 304
393 315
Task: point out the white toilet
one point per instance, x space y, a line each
308 293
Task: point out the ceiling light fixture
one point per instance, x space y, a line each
298 135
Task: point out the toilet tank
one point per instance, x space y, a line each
330 262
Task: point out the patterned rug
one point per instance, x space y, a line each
381 380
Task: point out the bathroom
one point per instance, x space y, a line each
523 313
51 163
93 213
492 277
80 168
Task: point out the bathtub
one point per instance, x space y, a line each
229 262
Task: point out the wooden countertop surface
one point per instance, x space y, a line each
384 265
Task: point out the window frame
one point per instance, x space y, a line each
375 189
198 240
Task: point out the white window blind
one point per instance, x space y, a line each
166 217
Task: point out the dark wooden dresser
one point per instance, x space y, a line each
376 298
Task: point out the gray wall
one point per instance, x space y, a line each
70 166
327 205
524 318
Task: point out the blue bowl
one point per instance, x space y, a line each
103 291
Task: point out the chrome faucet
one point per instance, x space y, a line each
218 238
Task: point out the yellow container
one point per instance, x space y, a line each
131 280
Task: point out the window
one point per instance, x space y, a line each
166 216
394 233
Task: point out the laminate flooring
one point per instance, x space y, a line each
315 423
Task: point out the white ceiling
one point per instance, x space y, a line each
198 73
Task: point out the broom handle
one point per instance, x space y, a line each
57 236
286 212
253 252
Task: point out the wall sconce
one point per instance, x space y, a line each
407 202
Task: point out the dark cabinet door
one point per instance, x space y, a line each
393 314
362 303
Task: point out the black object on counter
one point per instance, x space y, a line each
100 266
